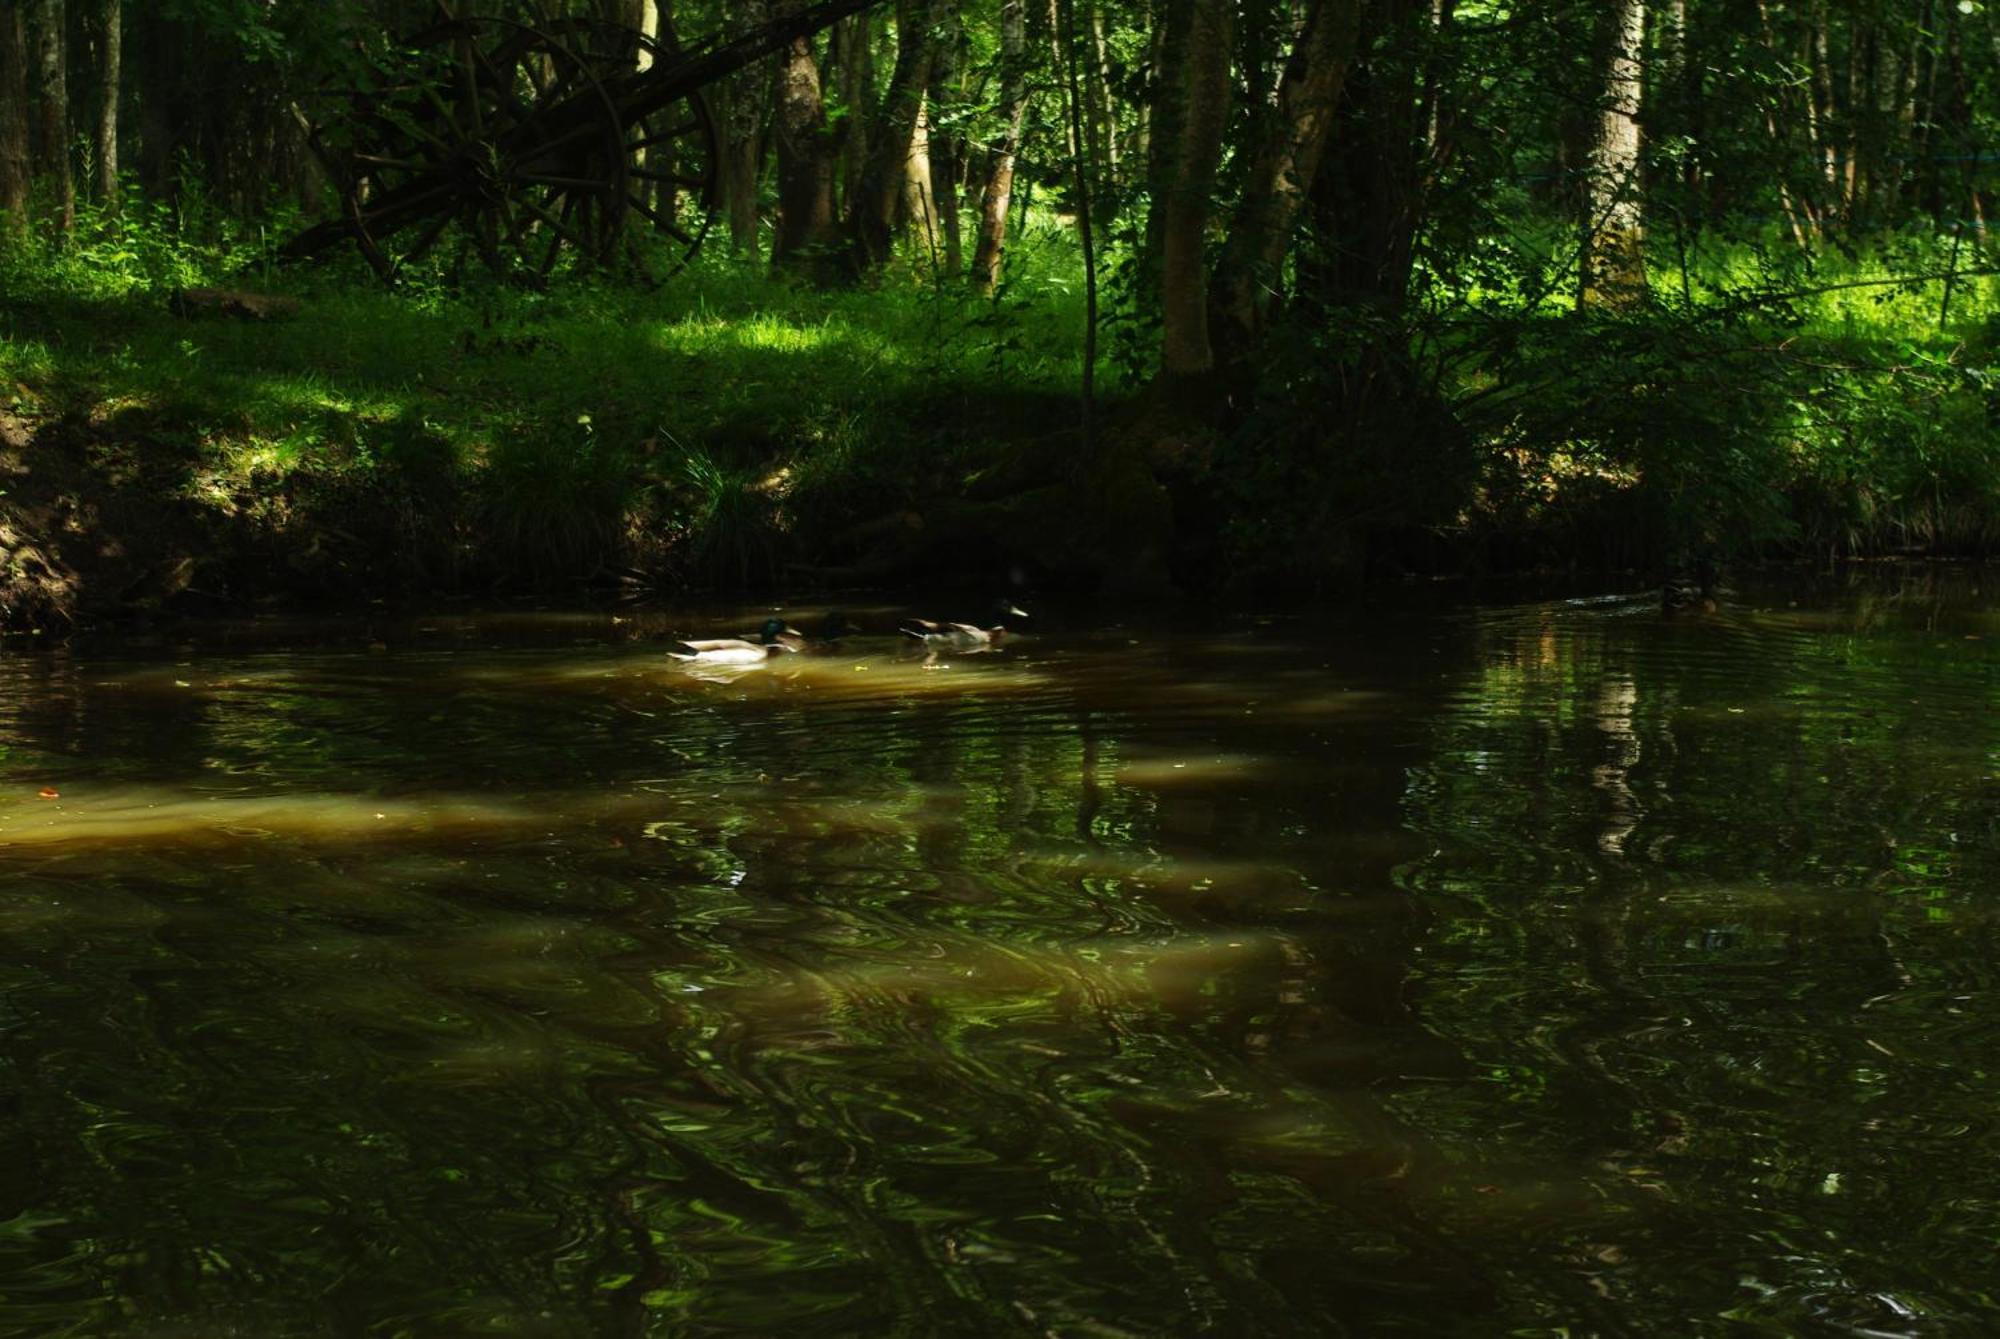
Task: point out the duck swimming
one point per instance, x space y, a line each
938 637
825 637
774 637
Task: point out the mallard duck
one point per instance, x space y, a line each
775 637
938 637
825 637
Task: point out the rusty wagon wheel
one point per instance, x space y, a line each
673 151
536 139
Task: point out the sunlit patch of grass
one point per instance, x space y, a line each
726 404
740 414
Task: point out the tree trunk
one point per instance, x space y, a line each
1613 253
1099 85
1777 117
1166 110
15 173
1860 79
1917 113
872 212
854 42
1368 196
1202 91
1281 172
919 195
806 234
55 112
111 83
743 105
1141 147
947 153
154 72
1826 153
991 248
643 16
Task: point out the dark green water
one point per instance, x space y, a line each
1548 969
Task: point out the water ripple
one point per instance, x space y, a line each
1468 972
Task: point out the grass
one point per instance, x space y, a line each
1771 402
727 407
718 428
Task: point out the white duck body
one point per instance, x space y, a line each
737 650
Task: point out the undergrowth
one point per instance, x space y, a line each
729 413
724 426
1767 402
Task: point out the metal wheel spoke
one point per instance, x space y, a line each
661 137
425 241
661 221
676 178
557 225
566 183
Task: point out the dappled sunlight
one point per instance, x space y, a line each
1174 878
764 334
87 816
1503 918
1164 770
1175 974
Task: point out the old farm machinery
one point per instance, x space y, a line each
539 136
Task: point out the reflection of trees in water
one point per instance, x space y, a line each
1566 992
1693 994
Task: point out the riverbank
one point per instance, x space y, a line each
728 432
715 434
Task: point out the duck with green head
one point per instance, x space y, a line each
938 637
775 636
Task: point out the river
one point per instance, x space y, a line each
1541 966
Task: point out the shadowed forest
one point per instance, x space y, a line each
1131 295
1472 806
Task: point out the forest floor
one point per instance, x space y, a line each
729 431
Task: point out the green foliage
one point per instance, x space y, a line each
1764 404
1662 435
728 425
1349 450
705 429
145 247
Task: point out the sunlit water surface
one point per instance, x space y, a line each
1462 971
